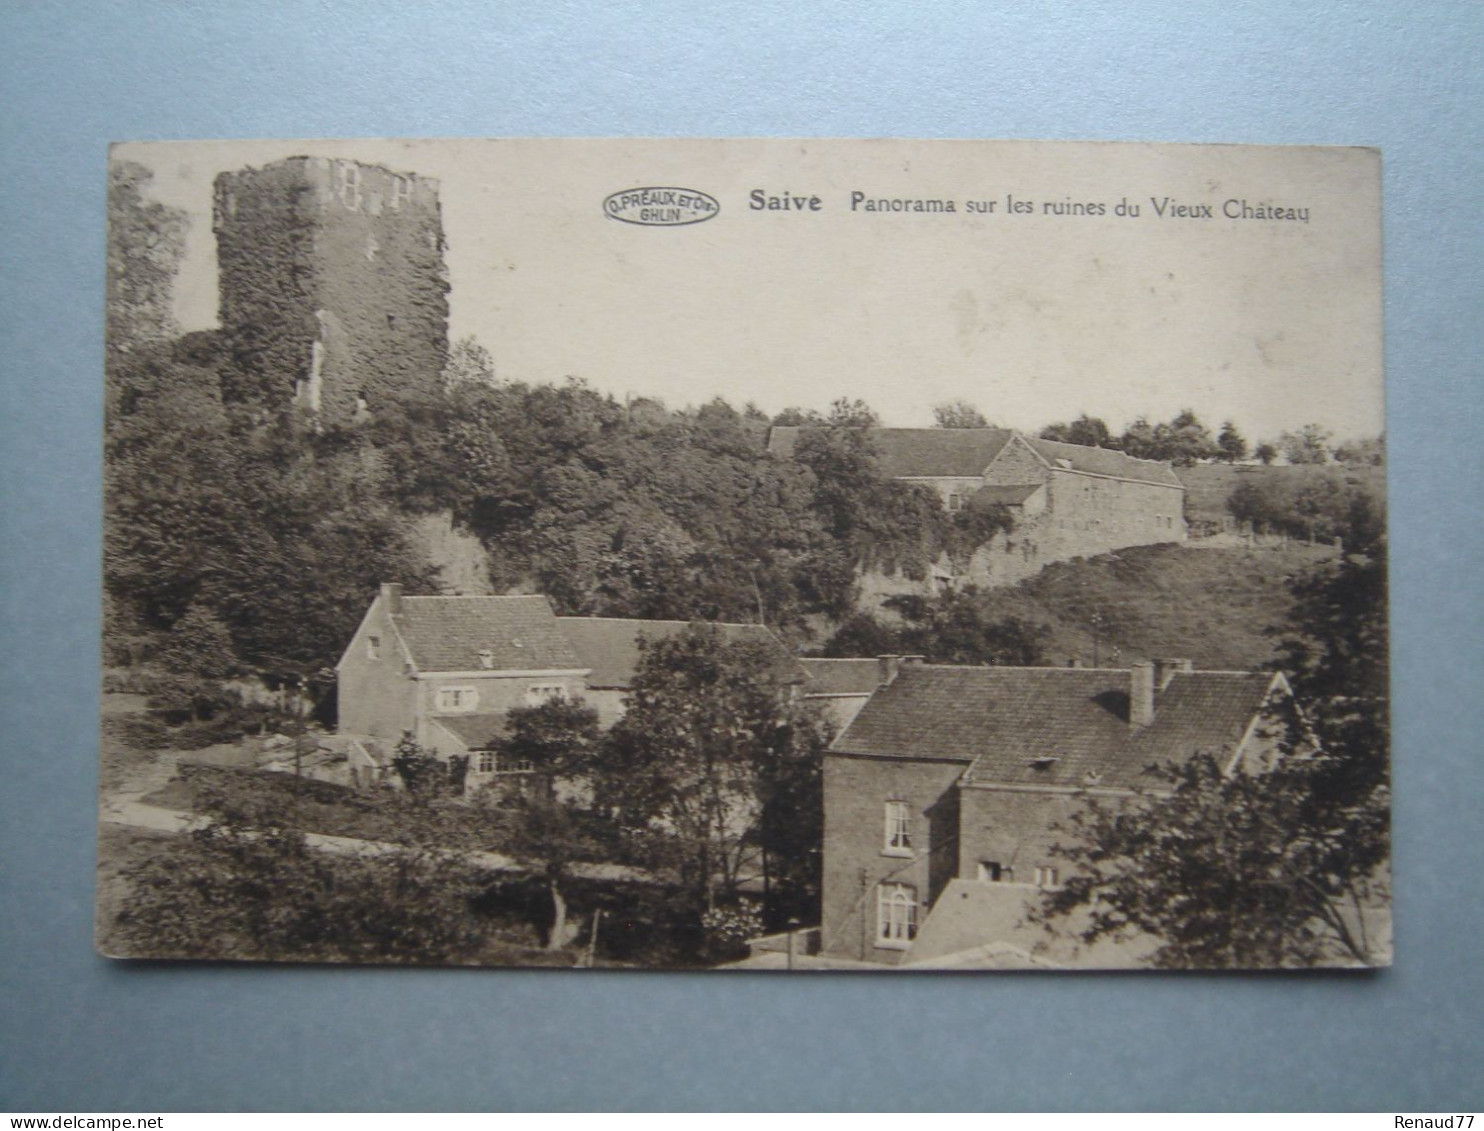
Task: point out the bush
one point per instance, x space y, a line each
727 929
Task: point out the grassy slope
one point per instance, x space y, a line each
1214 606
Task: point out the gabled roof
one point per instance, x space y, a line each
931 453
447 634
918 453
1064 727
841 677
610 646
476 732
1105 461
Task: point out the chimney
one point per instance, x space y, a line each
887 668
1165 669
1140 695
391 596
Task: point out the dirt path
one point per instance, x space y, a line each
133 812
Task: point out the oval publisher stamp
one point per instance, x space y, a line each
661 207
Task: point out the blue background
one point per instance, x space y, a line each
80 1033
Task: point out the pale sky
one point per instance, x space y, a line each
1031 317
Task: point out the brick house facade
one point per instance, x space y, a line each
955 777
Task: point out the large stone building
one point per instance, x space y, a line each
946 798
333 288
1066 500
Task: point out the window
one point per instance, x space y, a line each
1046 877
993 872
401 190
457 698
955 502
541 692
503 765
373 647
485 763
898 836
896 915
348 184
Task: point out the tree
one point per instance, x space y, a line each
1310 444
1185 440
958 414
710 740
469 363
1090 431
1138 440
1225 870
960 627
199 644
560 739
146 242
1288 867
1266 453
245 883
1370 451
1232 443
425 775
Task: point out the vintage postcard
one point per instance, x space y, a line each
745 554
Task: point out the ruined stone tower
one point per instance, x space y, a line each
333 287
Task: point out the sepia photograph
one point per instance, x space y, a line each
745 555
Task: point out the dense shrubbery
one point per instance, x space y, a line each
961 627
1304 502
245 536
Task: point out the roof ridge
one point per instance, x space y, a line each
1004 668
649 620
474 597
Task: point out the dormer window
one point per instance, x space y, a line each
1044 762
486 659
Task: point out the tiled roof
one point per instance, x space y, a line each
476 731
1105 461
841 677
447 634
1199 712
610 645
1050 726
918 452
